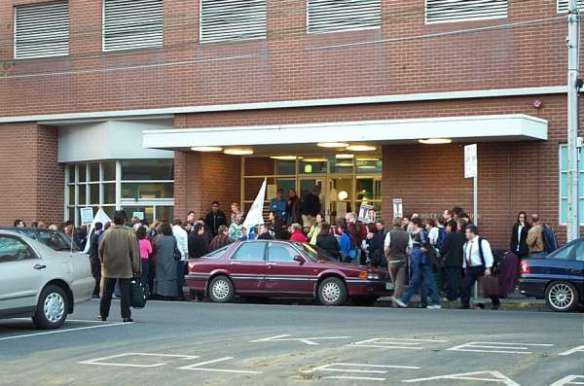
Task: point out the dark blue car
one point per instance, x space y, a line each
558 278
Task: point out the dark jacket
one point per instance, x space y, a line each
329 244
518 244
198 245
94 245
219 242
214 220
311 205
265 236
452 249
293 210
118 253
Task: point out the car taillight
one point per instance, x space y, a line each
524 267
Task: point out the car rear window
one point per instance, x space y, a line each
219 253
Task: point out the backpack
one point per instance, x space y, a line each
550 242
441 238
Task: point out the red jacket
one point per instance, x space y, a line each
298 236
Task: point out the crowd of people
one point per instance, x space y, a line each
439 257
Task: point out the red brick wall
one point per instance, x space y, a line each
400 57
32 180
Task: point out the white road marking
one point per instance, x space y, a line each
350 378
68 320
287 338
396 343
357 368
103 360
569 380
498 347
63 331
473 376
199 367
572 351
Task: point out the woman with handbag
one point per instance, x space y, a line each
145 249
165 246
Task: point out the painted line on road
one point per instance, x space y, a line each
395 343
288 338
570 380
498 347
102 361
350 378
63 331
199 367
68 320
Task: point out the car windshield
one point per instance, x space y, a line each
315 253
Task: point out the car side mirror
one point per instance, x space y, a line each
299 259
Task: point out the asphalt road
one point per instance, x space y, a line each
184 343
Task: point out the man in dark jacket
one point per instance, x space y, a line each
215 218
451 252
310 207
120 259
94 257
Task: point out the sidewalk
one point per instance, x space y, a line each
511 303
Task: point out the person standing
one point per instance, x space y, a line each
145 249
328 242
234 230
348 253
215 218
315 229
264 232
182 242
534 238
235 211
396 246
421 269
292 208
477 262
278 207
119 256
165 280
198 245
94 257
221 240
451 252
297 234
310 207
519 236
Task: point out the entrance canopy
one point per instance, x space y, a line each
515 127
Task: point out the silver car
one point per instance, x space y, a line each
39 282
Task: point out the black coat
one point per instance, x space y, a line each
198 245
519 241
329 244
452 249
214 220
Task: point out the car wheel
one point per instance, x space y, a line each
561 296
221 290
332 292
51 309
365 301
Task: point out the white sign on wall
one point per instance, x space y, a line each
398 208
470 161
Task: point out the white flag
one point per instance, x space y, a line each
101 217
255 215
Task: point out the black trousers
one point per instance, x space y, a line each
453 276
471 276
106 297
96 272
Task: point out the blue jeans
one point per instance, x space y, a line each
421 276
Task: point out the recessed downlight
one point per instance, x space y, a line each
238 151
332 145
284 157
361 148
435 141
344 156
207 149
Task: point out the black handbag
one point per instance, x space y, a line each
138 293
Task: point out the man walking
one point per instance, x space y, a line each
477 262
396 246
118 253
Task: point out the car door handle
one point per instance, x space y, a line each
38 267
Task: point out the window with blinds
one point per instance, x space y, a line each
228 20
41 31
342 15
564 5
132 24
440 11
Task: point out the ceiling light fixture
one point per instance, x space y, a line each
207 149
238 151
332 145
344 156
344 164
314 160
361 148
435 141
284 157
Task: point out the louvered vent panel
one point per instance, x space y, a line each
439 11
41 30
228 20
343 15
132 24
564 5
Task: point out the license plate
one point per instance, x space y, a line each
389 286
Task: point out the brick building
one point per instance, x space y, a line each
103 101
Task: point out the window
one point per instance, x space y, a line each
228 20
41 30
253 251
564 185
13 249
132 24
280 252
440 11
564 5
342 15
564 253
217 254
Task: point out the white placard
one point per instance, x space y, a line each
366 214
398 208
86 215
470 161
138 215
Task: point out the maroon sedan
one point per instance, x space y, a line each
283 269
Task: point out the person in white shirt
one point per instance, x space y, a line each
477 261
182 244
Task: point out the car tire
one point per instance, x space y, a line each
221 289
332 292
367 301
51 309
561 296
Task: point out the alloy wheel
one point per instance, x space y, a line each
561 296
